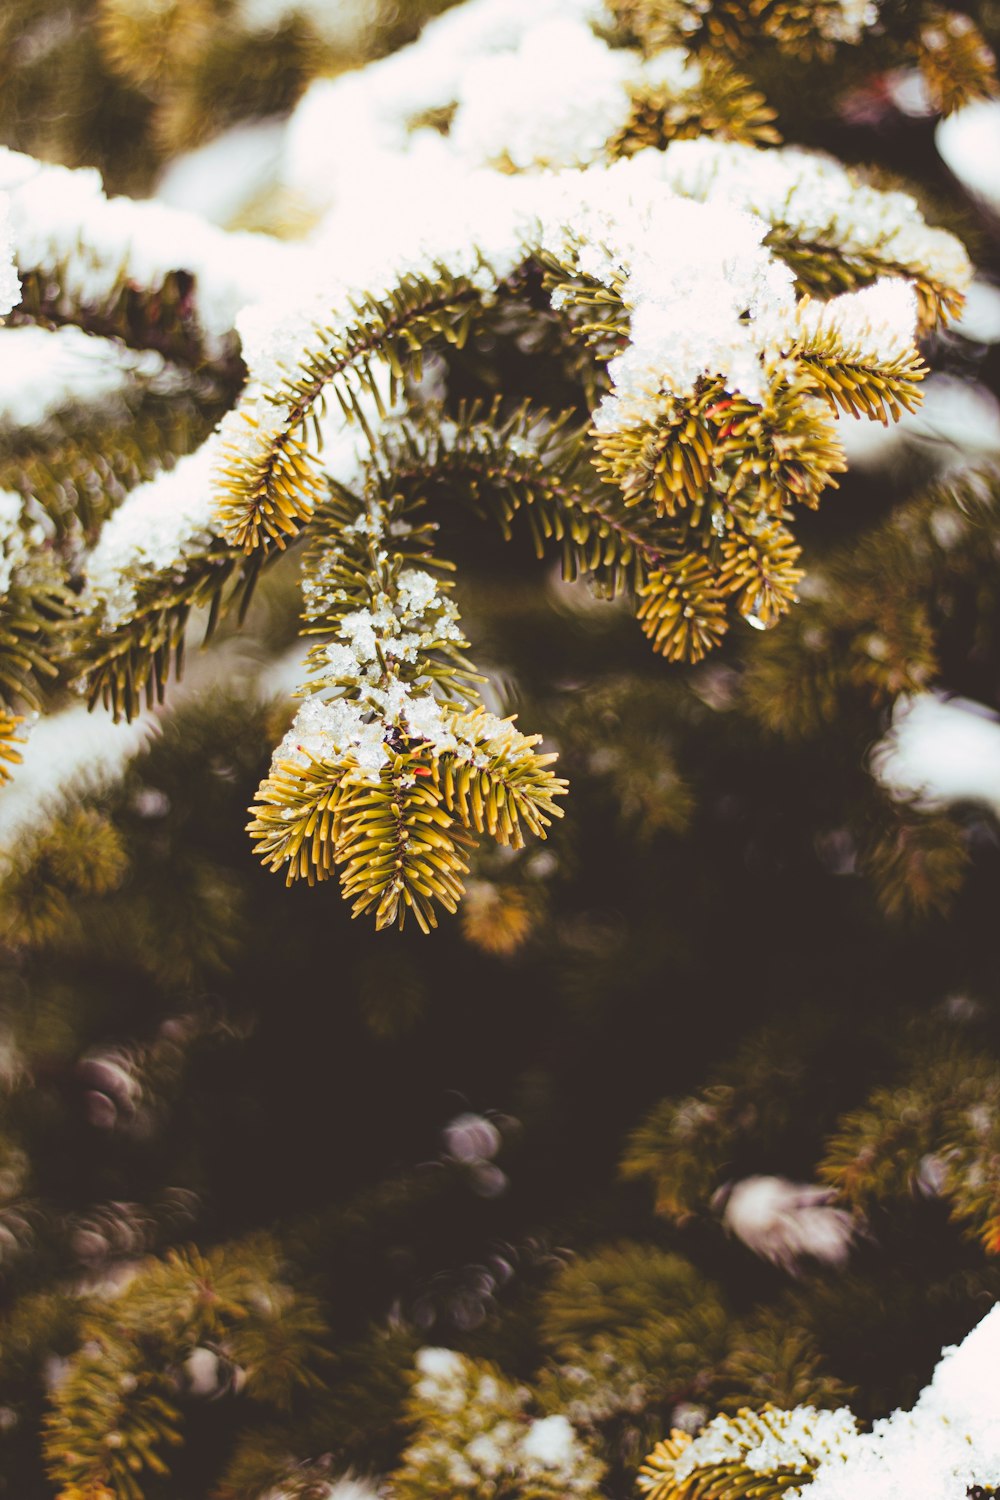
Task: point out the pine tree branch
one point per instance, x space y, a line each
147 646
723 103
270 481
33 619
825 269
145 275
533 463
115 1416
82 463
161 318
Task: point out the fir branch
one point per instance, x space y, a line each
670 463
750 1456
651 1307
826 269
531 463
388 777
147 646
146 275
400 848
359 575
113 1420
504 784
162 318
33 621
475 1431
269 481
723 103
954 58
774 1358
402 838
934 1129
593 306
500 917
9 723
852 382
658 1476
916 861
709 457
801 28
268 489
77 855
114 1417
688 1147
758 568
875 627
81 464
681 596
682 609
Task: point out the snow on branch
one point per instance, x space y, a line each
151 276
10 286
835 232
943 1449
715 309
478 85
43 372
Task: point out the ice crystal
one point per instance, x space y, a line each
331 730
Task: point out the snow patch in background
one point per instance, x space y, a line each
341 23
518 104
219 180
969 145
957 425
68 754
44 370
784 1222
353 1489
941 751
77 752
980 317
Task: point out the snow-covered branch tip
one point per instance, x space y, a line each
392 776
946 1448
